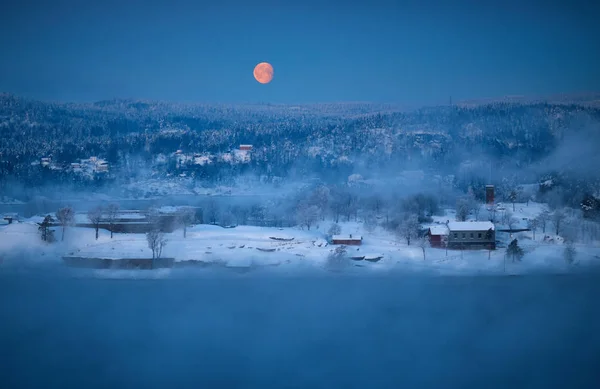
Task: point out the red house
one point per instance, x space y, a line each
246 147
438 235
347 240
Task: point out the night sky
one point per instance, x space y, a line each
406 52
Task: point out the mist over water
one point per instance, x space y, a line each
70 329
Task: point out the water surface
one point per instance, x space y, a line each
68 329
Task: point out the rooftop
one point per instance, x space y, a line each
346 237
441 229
470 226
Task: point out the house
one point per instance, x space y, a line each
347 240
438 235
46 161
471 235
246 147
102 167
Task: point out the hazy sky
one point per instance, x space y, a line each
408 52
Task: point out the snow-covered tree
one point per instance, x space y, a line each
370 223
558 218
409 228
514 252
307 215
334 229
512 196
337 258
186 218
95 217
512 222
66 217
462 209
320 197
569 252
543 219
44 227
533 225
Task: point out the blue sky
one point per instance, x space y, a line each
406 52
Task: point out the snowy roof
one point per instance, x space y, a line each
438 230
346 237
470 226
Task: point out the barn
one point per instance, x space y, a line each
347 240
438 235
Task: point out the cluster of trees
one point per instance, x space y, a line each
328 140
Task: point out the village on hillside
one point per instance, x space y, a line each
487 237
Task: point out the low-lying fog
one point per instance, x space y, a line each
74 330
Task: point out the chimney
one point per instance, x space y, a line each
350 236
489 194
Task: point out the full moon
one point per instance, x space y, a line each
263 72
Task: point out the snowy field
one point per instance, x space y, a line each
294 248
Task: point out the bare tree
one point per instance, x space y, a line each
112 212
226 218
307 215
240 213
320 197
507 215
512 196
512 222
334 229
424 244
370 222
350 206
462 209
65 217
211 211
156 242
543 219
95 217
409 228
557 218
186 218
533 225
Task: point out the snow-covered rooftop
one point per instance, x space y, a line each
439 230
470 226
346 237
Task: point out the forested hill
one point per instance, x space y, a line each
356 135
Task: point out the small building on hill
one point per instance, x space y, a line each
347 240
246 147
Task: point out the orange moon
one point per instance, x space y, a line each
263 72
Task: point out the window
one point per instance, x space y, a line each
455 235
464 235
471 235
479 235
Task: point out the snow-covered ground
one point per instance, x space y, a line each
245 246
